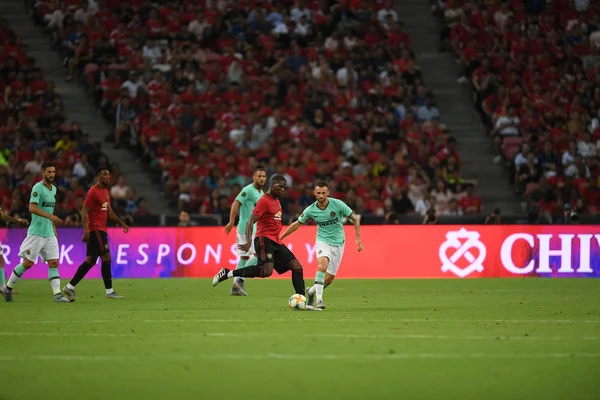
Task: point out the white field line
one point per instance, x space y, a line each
307 335
261 320
282 356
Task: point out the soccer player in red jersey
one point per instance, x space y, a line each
270 252
94 214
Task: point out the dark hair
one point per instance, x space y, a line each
321 184
260 169
100 169
278 179
47 164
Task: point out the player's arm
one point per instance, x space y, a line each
12 220
250 226
115 217
34 209
295 225
290 229
84 221
235 209
356 221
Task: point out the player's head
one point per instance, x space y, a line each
321 191
278 185
103 176
48 171
259 177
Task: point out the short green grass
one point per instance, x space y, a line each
394 339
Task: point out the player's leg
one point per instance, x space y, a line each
297 275
82 270
49 254
337 253
28 253
285 261
263 269
328 280
315 292
328 265
106 269
238 288
2 276
92 252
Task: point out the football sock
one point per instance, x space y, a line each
241 264
319 281
2 277
298 281
251 262
15 276
54 279
83 269
106 275
248 272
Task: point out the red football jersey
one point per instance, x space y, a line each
268 211
97 202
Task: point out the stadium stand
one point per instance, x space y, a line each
325 90
535 69
33 129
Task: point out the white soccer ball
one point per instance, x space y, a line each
297 302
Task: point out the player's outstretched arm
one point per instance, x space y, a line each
291 229
356 221
12 220
115 217
235 209
34 209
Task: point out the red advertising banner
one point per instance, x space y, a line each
397 251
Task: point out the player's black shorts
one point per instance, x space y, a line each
268 251
97 244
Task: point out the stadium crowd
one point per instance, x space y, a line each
535 68
207 90
33 129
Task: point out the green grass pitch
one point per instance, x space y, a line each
392 339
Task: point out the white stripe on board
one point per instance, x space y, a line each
281 356
307 335
240 320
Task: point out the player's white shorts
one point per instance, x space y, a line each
334 253
34 246
241 239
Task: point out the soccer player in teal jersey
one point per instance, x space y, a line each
10 220
328 214
41 237
244 204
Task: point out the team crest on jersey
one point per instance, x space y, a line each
35 194
106 246
243 194
320 251
332 214
105 206
278 215
269 256
28 252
